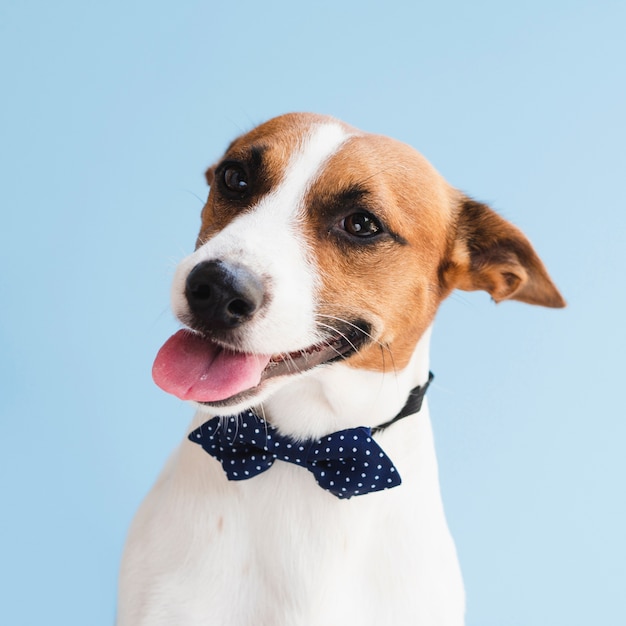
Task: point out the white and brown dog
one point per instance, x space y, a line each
323 255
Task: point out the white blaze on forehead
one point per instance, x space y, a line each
266 239
304 166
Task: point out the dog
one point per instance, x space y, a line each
323 255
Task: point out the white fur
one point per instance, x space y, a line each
288 324
277 550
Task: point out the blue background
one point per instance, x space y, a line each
110 112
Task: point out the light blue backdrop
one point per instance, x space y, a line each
110 112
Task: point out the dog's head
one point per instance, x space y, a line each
322 243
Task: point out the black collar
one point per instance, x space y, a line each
413 405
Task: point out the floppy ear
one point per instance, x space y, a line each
493 255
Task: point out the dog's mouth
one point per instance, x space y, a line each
194 367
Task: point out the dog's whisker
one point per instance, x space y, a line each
265 421
194 194
348 323
342 335
355 326
290 360
330 346
384 347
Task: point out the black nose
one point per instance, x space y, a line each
223 295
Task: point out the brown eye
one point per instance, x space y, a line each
361 225
235 179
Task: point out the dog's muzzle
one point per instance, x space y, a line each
206 363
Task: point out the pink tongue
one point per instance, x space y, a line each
193 368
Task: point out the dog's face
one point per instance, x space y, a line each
321 243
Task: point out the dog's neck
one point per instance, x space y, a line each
339 396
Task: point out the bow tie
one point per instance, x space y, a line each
347 463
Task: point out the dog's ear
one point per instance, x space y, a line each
210 175
491 254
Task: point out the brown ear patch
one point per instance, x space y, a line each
491 254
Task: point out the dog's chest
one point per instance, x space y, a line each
248 553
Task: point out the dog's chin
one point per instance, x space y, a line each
342 345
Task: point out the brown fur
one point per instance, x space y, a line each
276 142
448 241
439 239
396 280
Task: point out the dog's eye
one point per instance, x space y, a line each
235 179
361 225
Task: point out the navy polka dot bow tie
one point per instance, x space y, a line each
346 463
